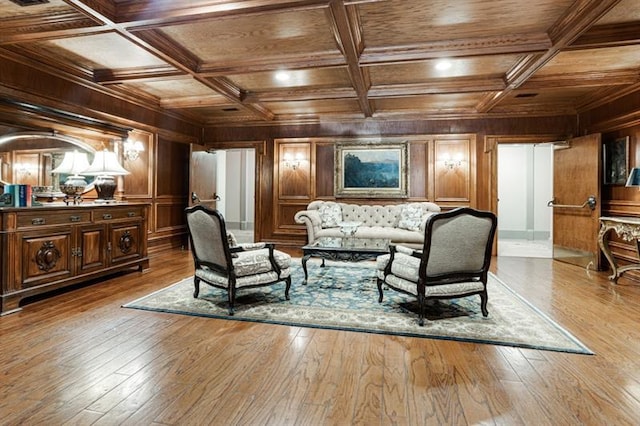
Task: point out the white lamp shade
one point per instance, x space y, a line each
73 163
105 163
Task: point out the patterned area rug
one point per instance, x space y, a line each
345 296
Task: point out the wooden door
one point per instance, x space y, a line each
576 201
202 177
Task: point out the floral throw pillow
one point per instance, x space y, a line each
411 218
331 215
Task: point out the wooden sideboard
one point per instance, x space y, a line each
50 247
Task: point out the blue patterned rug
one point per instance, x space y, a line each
344 296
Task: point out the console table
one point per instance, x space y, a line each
627 228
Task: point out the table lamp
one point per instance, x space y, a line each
104 167
73 164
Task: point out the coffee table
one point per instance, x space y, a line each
346 249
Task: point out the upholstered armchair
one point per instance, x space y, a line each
453 263
231 267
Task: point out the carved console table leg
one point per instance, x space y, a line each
628 229
603 242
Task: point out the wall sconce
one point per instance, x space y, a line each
292 162
132 149
452 163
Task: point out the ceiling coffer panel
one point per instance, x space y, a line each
286 61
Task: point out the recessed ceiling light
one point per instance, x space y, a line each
282 76
443 64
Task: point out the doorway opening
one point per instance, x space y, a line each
235 174
525 186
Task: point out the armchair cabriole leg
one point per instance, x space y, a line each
421 298
483 303
196 285
232 297
380 290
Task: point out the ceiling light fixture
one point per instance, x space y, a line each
282 76
443 64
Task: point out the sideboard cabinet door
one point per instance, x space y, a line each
46 255
126 241
90 248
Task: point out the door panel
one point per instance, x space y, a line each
90 248
576 178
202 177
45 256
125 241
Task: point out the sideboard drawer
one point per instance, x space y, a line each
111 213
60 217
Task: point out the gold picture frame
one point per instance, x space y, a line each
371 170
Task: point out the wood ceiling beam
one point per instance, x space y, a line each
585 79
349 38
283 95
439 86
620 34
167 50
194 102
109 76
290 62
47 27
153 13
479 46
605 95
577 19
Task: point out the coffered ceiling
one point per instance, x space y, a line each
221 62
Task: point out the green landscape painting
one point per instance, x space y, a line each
372 168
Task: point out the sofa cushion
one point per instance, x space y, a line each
330 214
411 217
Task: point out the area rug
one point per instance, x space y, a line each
344 296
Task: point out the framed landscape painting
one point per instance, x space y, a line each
371 170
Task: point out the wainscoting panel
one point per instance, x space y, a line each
418 169
294 170
325 170
452 170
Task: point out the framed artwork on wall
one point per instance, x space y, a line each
615 155
371 170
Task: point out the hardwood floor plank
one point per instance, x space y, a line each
395 378
79 358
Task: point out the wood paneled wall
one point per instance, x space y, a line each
304 170
615 120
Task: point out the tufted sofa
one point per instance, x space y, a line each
401 223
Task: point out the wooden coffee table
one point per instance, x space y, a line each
346 249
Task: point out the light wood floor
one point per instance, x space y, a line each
79 358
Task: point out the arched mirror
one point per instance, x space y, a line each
30 157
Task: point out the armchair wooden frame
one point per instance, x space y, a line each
213 257
450 278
